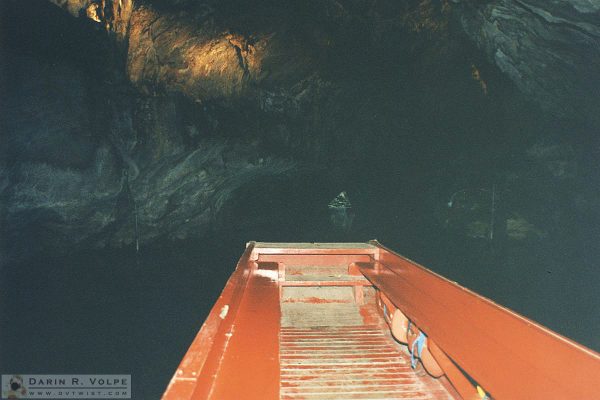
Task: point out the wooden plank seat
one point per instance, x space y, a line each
335 275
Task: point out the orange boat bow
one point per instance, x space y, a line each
286 310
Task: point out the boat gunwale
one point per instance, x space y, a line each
405 278
415 290
184 382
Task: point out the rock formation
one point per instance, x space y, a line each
158 113
549 49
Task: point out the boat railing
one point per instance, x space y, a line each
481 348
479 345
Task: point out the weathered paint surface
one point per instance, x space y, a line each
300 321
507 354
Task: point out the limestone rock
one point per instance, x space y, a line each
549 49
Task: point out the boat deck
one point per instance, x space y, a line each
344 351
325 321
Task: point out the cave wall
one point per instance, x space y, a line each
91 160
549 49
155 114
159 114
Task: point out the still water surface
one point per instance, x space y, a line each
118 312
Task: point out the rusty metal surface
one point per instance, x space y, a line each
509 355
266 340
346 282
345 351
235 355
281 248
211 334
320 273
319 312
248 368
334 257
348 362
334 347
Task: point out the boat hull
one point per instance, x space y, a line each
356 320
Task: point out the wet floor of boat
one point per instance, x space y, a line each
333 348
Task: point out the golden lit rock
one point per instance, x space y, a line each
92 12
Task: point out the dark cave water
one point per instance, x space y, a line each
119 312
111 312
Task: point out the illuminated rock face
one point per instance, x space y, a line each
201 55
103 164
548 48
173 53
195 103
